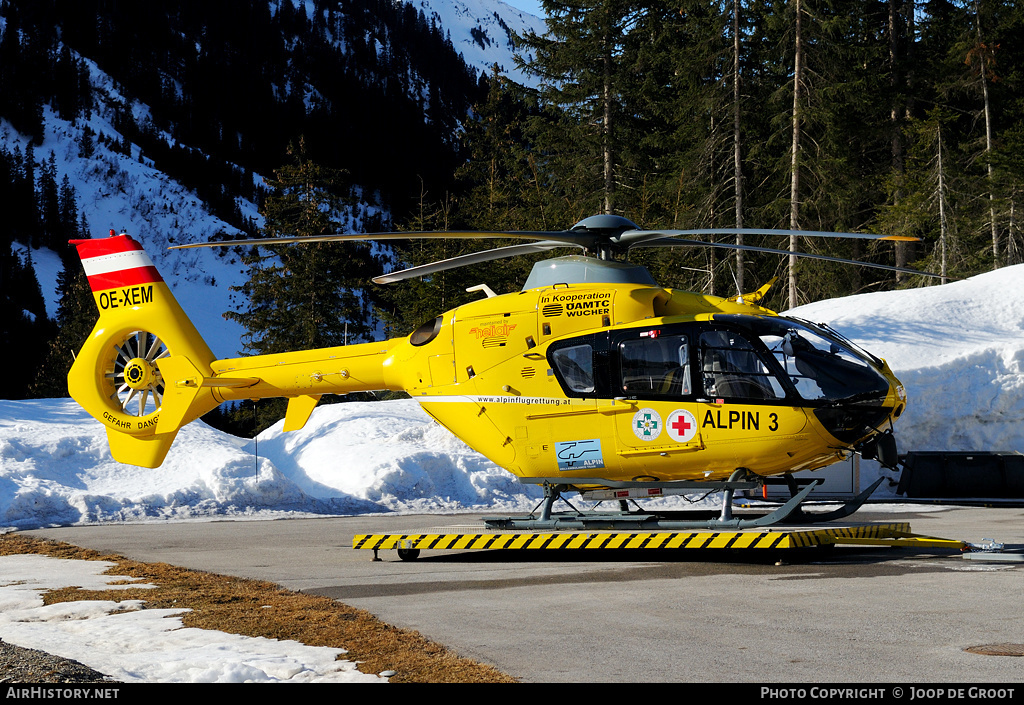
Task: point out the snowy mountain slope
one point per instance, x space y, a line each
127 194
481 30
959 349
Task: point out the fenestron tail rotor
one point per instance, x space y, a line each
136 385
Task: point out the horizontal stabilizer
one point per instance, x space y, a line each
299 410
755 296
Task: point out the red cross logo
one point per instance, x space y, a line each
682 426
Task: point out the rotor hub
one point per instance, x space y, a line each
606 223
140 373
601 233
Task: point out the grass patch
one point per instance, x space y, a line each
258 608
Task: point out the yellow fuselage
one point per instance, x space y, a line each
485 375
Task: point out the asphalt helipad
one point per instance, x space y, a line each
848 614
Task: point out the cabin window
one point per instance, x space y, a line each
576 366
655 365
732 368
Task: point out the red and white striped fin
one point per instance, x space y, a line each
115 261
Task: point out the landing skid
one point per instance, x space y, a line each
543 517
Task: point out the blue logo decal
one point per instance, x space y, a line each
579 455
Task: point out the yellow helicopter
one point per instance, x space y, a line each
591 379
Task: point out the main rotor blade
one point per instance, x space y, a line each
632 236
580 237
568 237
472 258
678 242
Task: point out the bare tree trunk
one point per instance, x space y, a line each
794 164
737 176
712 217
609 174
943 233
1011 226
894 118
988 135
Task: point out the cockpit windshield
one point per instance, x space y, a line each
819 364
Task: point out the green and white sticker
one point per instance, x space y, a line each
647 424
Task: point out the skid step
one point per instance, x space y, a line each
775 538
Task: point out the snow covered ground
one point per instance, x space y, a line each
132 645
356 458
959 349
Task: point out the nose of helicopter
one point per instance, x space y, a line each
865 423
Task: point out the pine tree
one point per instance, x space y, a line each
498 188
311 295
499 183
679 158
24 327
934 191
579 62
48 198
76 317
737 138
405 305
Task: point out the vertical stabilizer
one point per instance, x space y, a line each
119 376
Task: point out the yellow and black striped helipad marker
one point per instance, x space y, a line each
778 538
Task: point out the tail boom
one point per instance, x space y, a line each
339 370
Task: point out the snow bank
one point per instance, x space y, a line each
356 458
136 645
959 351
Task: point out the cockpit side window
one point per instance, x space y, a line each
733 369
655 365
